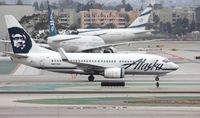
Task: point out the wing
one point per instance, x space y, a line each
100 34
139 32
117 44
92 32
40 44
90 68
84 66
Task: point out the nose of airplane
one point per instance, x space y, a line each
175 66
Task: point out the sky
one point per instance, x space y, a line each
132 2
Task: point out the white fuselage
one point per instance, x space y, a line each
116 35
132 63
74 43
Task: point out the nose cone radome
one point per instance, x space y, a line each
175 66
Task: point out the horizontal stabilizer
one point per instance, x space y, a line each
5 41
16 55
143 32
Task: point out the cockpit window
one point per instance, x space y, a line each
166 61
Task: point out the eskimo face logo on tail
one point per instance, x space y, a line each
20 40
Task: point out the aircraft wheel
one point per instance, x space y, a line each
91 78
157 78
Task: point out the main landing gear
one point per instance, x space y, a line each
157 81
91 78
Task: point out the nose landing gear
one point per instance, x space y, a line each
157 81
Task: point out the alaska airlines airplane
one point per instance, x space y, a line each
116 66
135 31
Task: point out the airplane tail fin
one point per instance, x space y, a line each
20 40
142 20
52 27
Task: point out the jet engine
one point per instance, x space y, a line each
109 50
114 73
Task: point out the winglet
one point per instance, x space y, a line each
62 54
16 55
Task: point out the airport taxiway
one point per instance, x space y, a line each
87 112
176 82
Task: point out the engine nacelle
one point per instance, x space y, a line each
109 50
114 73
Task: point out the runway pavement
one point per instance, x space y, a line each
63 112
9 108
177 81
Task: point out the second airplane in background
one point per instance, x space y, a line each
135 31
88 43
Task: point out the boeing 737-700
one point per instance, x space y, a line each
116 66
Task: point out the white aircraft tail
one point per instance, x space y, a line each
20 40
142 20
